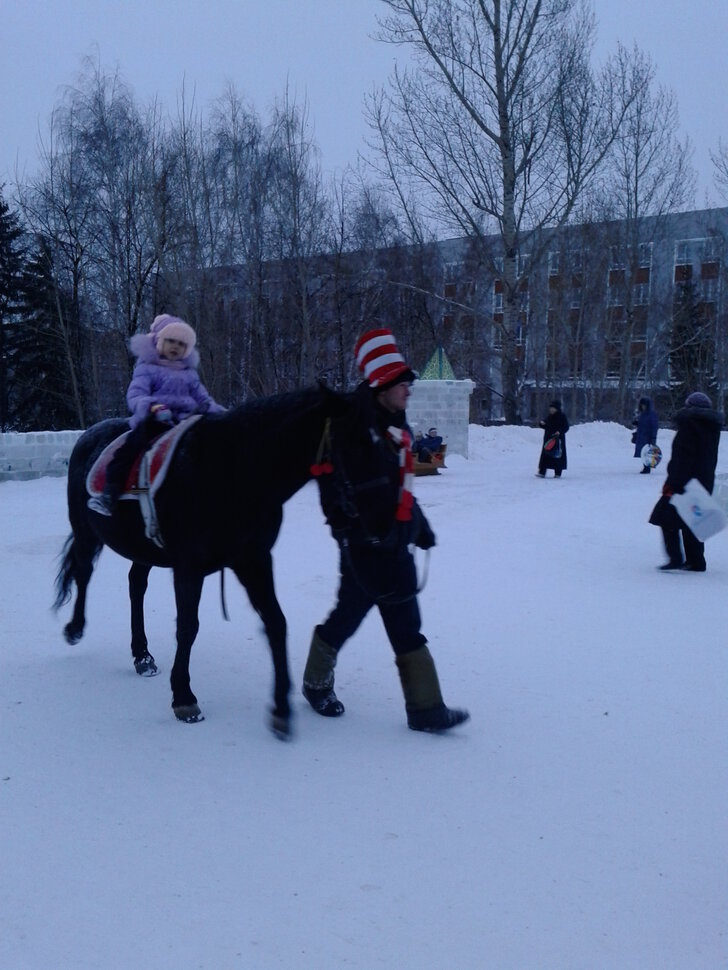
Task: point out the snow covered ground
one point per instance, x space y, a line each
577 822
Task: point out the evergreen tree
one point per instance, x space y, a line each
11 263
42 343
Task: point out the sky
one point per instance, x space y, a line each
322 49
577 821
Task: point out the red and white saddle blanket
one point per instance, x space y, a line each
147 474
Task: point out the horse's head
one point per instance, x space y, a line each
349 412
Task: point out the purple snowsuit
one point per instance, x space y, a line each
174 383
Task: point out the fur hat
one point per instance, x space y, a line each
379 360
555 404
698 400
167 327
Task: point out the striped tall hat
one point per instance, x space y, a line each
379 360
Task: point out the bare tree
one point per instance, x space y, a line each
501 125
97 181
299 233
215 220
647 175
720 164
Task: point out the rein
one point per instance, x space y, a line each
385 599
323 464
223 602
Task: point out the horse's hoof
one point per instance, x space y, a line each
146 666
281 727
71 634
189 713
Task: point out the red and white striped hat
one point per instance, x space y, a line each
379 360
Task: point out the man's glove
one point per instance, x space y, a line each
425 537
160 412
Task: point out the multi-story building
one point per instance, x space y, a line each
606 312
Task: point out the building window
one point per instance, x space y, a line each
683 272
645 254
709 290
497 331
554 260
637 358
639 323
576 264
711 251
468 327
613 359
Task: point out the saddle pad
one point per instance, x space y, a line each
96 478
159 455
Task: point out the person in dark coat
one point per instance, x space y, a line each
553 451
374 517
694 455
646 424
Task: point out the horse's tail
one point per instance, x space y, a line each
67 572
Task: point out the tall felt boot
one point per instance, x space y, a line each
105 503
426 710
318 678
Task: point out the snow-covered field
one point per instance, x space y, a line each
578 822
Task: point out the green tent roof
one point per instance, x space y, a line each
438 368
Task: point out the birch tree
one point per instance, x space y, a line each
499 126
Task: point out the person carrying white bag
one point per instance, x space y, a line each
694 457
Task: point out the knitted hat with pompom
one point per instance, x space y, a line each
167 327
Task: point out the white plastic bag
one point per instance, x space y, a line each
699 511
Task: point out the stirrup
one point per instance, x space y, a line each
100 504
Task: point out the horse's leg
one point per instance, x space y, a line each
187 592
144 663
256 575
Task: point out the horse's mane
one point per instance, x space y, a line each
274 411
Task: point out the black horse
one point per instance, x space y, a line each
221 505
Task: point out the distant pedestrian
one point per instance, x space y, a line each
646 425
553 451
694 455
